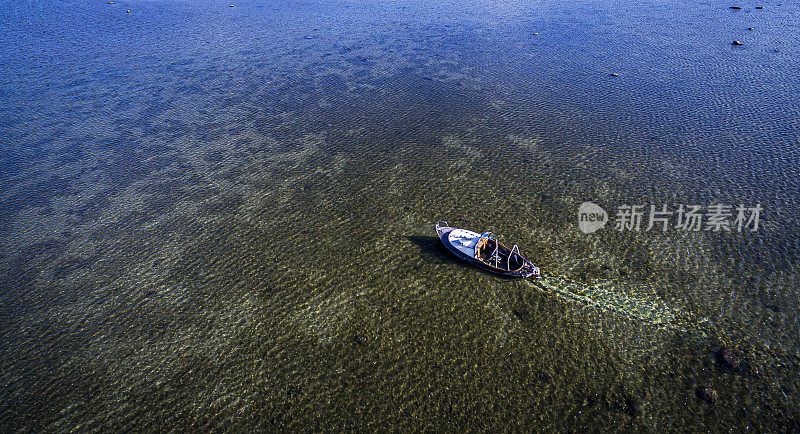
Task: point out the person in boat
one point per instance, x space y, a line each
482 243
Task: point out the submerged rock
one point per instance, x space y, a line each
543 376
707 394
521 314
591 399
728 359
628 405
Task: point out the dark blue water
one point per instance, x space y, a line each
219 217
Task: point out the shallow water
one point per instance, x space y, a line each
222 218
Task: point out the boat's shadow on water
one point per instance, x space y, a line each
434 250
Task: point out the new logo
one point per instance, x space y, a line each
591 217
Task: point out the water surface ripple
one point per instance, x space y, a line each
221 218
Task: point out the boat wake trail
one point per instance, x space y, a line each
613 298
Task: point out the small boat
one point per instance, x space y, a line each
485 251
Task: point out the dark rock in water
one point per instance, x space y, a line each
736 7
617 399
737 43
591 399
626 404
707 394
360 339
521 314
543 376
728 359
